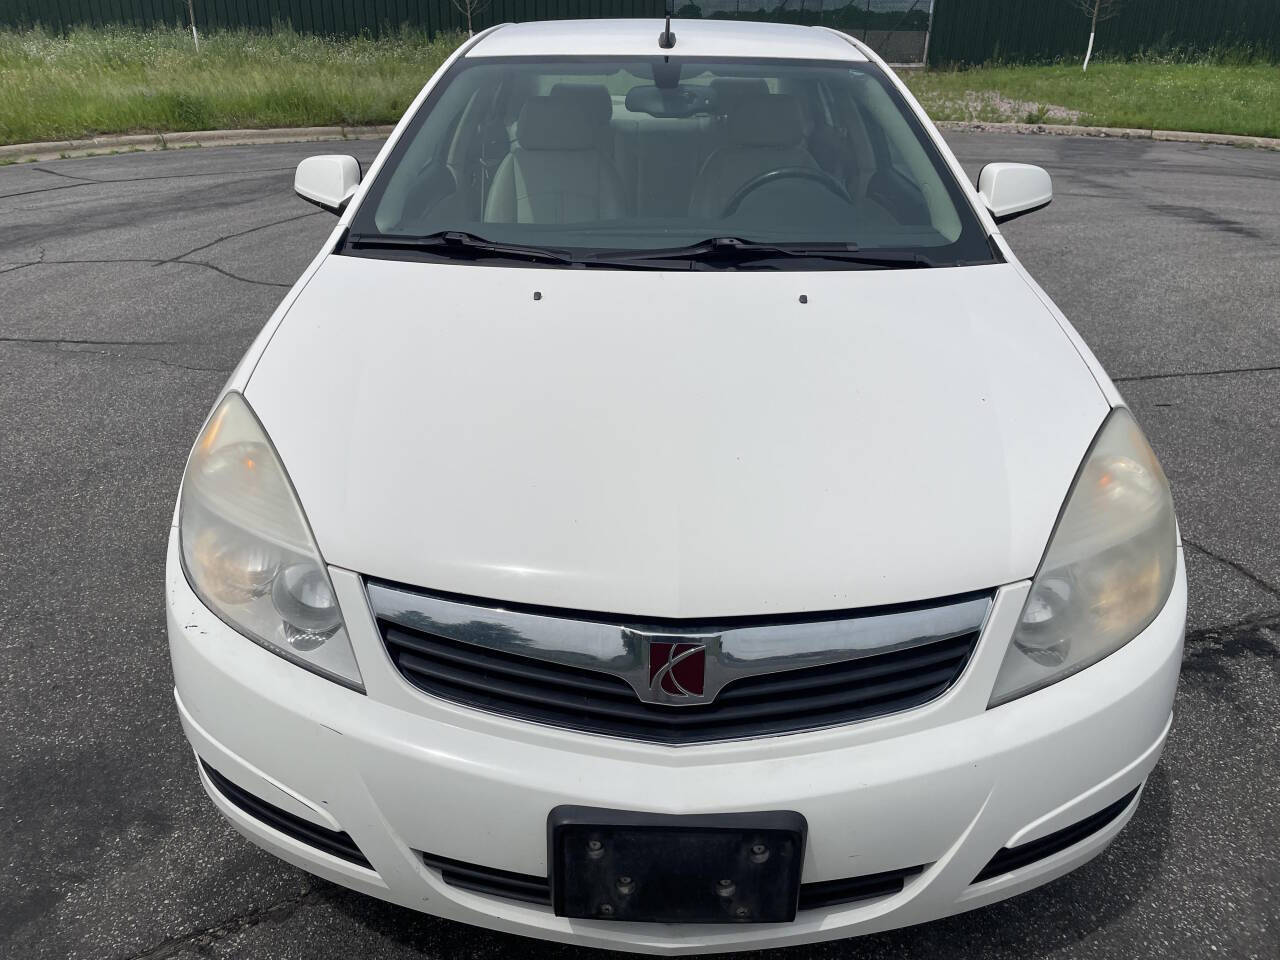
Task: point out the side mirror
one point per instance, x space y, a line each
1012 189
328 181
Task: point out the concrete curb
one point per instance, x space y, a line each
54 150
21 152
1122 133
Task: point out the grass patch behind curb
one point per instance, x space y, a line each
93 82
118 80
1195 97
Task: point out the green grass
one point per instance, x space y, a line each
106 81
130 81
1205 97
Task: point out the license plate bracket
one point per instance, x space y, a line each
672 868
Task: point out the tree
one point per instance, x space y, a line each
469 9
1099 10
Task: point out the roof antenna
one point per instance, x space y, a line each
667 39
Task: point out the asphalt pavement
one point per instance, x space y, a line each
129 287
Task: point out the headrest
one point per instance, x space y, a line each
773 120
548 123
591 98
731 91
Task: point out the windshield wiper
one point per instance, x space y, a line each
725 251
468 245
733 250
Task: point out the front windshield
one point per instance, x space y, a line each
585 156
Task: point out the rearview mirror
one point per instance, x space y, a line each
1012 189
328 181
670 102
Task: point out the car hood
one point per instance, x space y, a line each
677 444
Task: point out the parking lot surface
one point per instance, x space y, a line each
129 287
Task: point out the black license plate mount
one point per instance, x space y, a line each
675 868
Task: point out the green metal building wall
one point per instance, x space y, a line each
978 31
310 16
963 31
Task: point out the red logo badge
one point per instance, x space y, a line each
677 669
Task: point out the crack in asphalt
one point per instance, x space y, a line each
126 357
71 341
36 343
155 263
89 181
29 263
233 276
1239 568
241 233
59 173
61 186
188 176
181 257
157 360
1195 373
202 937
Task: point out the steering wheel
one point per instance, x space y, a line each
823 179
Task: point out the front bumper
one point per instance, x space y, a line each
946 785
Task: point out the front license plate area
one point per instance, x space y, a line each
660 868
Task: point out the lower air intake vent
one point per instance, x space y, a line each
1011 858
333 842
491 881
832 893
530 889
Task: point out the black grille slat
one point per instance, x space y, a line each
530 889
831 893
491 685
490 880
486 690
868 668
507 892
593 701
1008 859
836 689
522 667
333 842
853 695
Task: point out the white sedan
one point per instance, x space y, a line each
666 516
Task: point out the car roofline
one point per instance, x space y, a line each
639 37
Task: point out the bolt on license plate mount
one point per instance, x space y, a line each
672 868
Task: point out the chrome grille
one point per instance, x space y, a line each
593 674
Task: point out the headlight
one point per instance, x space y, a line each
1108 570
248 552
